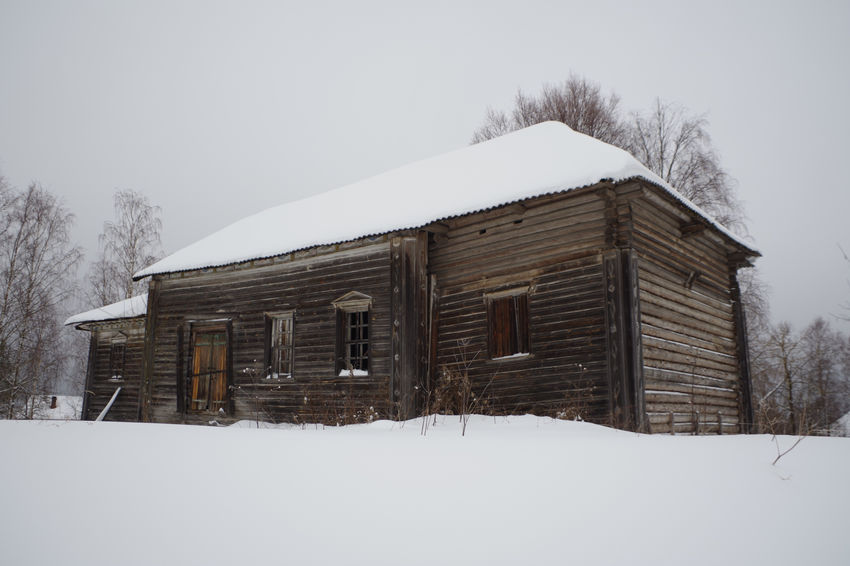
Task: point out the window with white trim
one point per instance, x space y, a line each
353 325
117 353
280 350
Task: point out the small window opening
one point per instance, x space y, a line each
508 321
356 342
116 360
353 321
281 345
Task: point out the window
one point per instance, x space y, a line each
279 350
353 334
356 347
208 372
116 359
507 314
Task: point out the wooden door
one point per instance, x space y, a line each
208 380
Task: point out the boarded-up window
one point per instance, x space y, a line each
508 324
280 346
208 377
116 360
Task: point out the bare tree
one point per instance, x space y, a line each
827 384
802 380
37 269
754 293
576 102
669 140
777 382
675 145
128 244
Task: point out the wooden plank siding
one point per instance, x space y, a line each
306 288
630 310
688 331
553 246
101 384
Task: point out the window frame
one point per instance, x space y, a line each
352 303
514 341
272 347
116 368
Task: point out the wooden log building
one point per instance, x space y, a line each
115 358
543 272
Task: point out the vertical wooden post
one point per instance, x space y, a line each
434 336
423 338
230 394
408 256
745 401
634 351
396 283
613 340
146 390
181 374
87 392
623 338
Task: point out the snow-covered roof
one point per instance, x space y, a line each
542 159
128 308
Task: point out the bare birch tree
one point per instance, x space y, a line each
37 270
675 145
127 244
827 394
668 140
576 102
803 379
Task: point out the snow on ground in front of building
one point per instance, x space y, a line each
67 407
515 490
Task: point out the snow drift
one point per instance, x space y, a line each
516 490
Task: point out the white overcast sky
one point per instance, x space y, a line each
216 110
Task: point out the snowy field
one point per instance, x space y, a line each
517 490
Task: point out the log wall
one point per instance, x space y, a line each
241 297
552 245
101 385
630 319
688 331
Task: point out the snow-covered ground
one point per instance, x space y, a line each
516 490
55 407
